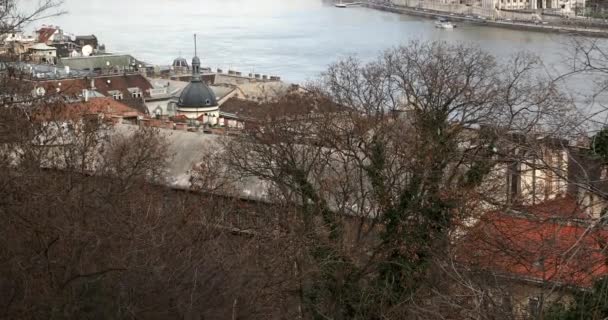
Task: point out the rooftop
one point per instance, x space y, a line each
75 111
100 61
103 84
42 46
45 33
538 248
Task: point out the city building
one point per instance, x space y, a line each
103 107
42 53
50 34
165 95
67 49
533 250
130 89
180 65
16 43
501 9
106 63
87 40
197 99
557 6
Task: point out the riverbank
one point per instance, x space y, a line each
432 14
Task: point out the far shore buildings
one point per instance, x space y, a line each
551 6
518 9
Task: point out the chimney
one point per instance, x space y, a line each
92 84
86 95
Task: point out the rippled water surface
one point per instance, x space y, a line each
295 39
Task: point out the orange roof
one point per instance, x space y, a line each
116 82
179 118
74 111
538 248
44 34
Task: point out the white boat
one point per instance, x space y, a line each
340 5
443 24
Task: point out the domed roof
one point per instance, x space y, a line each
196 60
180 62
197 95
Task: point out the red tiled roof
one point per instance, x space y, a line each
75 111
44 34
179 118
537 248
562 207
117 82
122 83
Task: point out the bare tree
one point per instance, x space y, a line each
13 17
89 233
386 160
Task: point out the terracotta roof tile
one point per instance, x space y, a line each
75 111
120 83
44 34
561 207
538 248
179 118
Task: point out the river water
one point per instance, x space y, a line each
295 39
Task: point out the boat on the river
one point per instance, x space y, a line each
444 24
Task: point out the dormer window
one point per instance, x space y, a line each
117 95
135 92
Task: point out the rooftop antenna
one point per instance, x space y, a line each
195 45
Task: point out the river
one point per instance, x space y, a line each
295 39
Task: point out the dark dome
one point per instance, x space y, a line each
180 62
197 95
196 60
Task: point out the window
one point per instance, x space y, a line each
534 304
117 95
208 102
